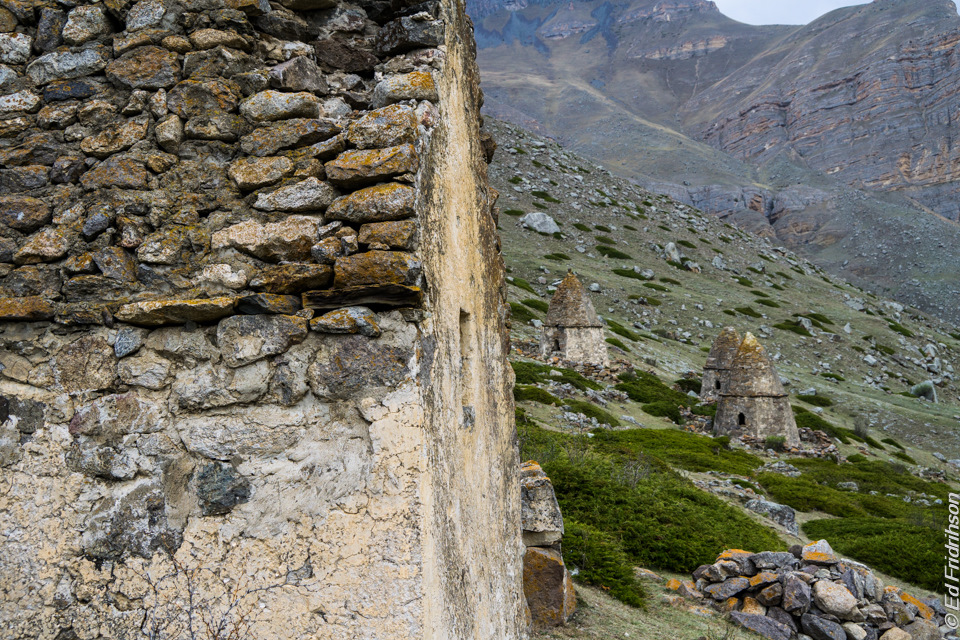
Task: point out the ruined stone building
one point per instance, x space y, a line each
572 330
752 401
252 338
716 372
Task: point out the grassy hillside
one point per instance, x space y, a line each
849 358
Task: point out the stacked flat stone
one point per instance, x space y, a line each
546 582
572 330
167 162
810 592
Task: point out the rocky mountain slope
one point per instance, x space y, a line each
836 146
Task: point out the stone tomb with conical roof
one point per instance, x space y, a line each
752 402
572 330
716 372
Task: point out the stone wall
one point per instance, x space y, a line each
253 351
763 417
577 344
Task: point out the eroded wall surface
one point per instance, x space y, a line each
252 349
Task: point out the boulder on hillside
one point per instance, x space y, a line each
540 222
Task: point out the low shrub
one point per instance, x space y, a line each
610 252
655 286
816 400
520 283
580 226
601 561
557 257
899 328
689 384
794 327
605 240
618 344
906 550
520 313
603 228
536 373
902 455
893 443
543 195
777 443
832 376
687 244
747 311
768 303
534 303
671 281
513 212
530 393
680 448
747 282
627 273
593 411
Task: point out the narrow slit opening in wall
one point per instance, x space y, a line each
742 420
468 359
717 385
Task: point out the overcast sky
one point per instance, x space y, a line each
781 11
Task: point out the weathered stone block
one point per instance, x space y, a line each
159 312
355 168
292 278
418 85
359 320
145 68
220 488
267 140
821 629
87 363
547 587
380 203
400 234
762 625
540 517
276 105
351 364
130 521
254 173
289 240
246 339
65 65
45 246
124 173
386 127
259 303
192 98
85 23
376 268
24 213
307 195
298 74
727 589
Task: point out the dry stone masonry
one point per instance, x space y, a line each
572 330
252 349
810 592
751 400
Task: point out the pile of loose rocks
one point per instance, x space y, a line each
810 593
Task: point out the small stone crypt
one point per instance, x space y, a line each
751 399
572 329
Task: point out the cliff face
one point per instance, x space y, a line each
865 94
252 344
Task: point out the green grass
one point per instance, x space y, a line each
760 294
656 287
747 311
557 257
520 313
671 281
513 212
818 317
622 331
515 180
520 283
747 282
610 252
687 244
910 551
657 398
682 449
893 443
531 393
816 400
580 226
605 240
768 303
592 411
833 376
628 273
794 327
902 455
618 344
535 303
543 195
535 373
603 228
899 328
